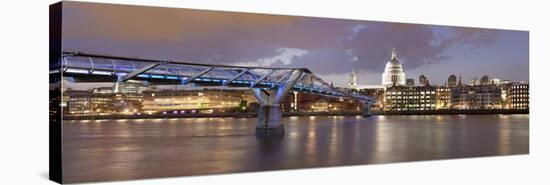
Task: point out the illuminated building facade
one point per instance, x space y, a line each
170 100
87 102
131 86
378 94
79 102
290 103
321 105
307 102
104 101
127 103
442 97
517 96
477 97
101 103
416 98
103 90
497 81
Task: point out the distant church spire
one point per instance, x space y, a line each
353 78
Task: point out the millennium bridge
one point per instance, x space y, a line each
269 85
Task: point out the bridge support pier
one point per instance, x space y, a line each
365 109
269 121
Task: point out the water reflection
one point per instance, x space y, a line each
311 144
145 148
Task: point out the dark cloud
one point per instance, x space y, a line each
417 44
330 45
180 34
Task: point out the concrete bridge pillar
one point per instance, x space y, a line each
365 109
269 121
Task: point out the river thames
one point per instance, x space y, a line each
99 150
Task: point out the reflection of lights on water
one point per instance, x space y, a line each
311 134
375 146
383 143
333 142
519 116
504 117
310 143
504 136
200 120
123 149
439 119
338 117
311 117
293 117
413 117
356 141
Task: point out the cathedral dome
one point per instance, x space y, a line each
393 66
393 73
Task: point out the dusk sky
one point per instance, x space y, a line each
329 47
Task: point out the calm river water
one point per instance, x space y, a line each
147 148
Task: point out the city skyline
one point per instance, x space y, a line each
319 44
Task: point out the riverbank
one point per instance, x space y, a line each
205 115
451 112
286 114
